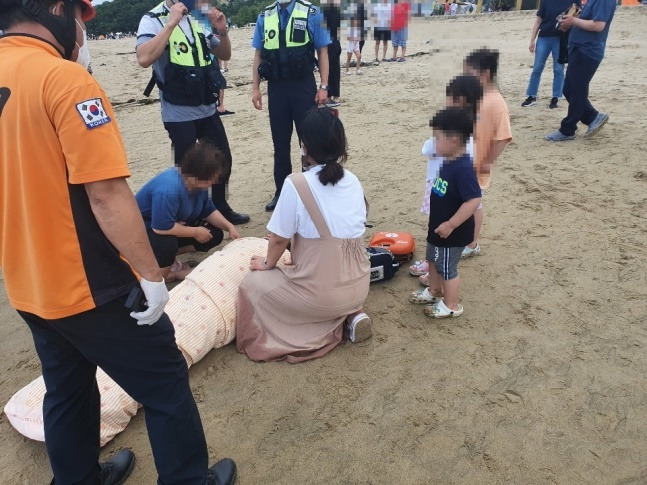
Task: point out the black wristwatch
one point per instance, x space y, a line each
323 86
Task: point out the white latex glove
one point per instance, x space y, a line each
156 297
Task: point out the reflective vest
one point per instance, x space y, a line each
293 44
190 78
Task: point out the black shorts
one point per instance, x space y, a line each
382 34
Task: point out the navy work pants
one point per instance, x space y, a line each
184 134
288 102
579 74
146 362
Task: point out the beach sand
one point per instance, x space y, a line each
542 380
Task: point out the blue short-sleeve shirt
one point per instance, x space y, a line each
165 200
548 12
455 184
320 35
592 44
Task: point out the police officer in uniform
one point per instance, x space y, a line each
287 34
189 80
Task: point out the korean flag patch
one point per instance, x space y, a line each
92 113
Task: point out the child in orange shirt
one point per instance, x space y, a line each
492 131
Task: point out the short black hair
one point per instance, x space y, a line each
203 161
11 12
454 121
468 87
484 60
323 135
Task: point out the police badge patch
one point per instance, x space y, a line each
271 34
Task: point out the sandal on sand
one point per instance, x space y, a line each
360 328
440 310
424 297
418 268
424 279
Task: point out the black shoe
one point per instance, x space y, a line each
530 101
272 204
222 473
553 103
118 468
237 218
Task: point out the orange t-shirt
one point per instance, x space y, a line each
493 124
57 132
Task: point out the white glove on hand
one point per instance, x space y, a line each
156 298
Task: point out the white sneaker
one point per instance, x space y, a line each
468 252
360 328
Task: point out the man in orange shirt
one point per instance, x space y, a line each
70 232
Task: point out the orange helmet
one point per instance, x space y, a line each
88 10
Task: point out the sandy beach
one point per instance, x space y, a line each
542 380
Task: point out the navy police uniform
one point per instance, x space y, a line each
287 38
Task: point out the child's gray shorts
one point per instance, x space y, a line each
445 260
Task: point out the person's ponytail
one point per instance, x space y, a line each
332 173
324 139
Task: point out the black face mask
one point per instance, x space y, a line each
62 28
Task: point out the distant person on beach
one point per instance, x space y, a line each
452 202
492 130
332 13
353 37
178 213
465 92
72 247
382 32
399 28
171 41
454 8
300 311
586 44
548 40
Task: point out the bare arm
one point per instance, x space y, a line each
465 211
569 21
223 50
218 220
275 248
257 97
178 230
496 149
590 25
149 52
324 67
117 213
534 32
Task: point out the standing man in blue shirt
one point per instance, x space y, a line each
179 50
287 34
586 45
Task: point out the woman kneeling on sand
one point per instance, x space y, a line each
298 312
178 212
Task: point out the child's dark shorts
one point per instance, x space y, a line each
445 260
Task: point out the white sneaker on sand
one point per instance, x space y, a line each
360 328
468 252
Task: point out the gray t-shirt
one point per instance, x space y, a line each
149 27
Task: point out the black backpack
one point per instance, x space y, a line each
383 264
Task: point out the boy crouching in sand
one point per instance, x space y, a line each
454 198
